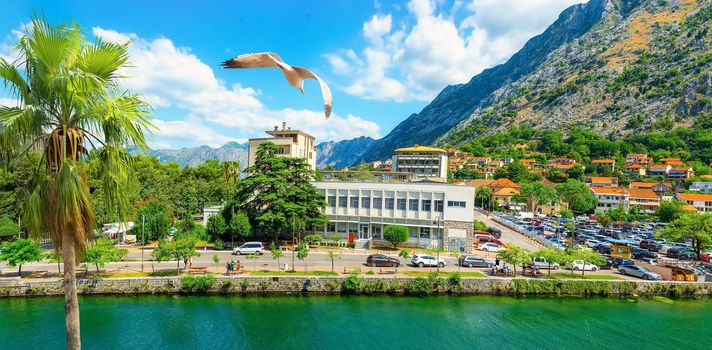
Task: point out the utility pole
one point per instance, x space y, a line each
437 261
143 238
294 247
232 234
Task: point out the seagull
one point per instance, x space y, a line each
295 75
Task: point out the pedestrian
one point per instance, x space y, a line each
227 267
496 261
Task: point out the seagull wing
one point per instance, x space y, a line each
325 91
254 60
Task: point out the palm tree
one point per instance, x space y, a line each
70 101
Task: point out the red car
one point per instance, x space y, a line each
705 257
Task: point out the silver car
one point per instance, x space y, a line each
637 271
249 248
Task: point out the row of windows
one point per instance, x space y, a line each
389 203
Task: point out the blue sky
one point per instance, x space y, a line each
383 60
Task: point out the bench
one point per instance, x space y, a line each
388 271
350 270
197 269
38 274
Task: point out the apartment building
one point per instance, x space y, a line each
600 181
290 143
425 163
701 202
436 214
613 198
701 186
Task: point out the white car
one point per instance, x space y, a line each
422 260
579 265
593 242
490 247
249 248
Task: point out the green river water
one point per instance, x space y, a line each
333 322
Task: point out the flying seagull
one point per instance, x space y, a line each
295 75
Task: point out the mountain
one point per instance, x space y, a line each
343 153
195 156
607 65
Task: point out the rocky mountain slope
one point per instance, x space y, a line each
612 66
646 65
342 154
195 156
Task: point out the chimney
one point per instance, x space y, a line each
276 128
284 125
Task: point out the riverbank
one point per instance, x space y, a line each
353 284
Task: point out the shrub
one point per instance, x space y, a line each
418 286
370 273
245 284
455 280
395 234
197 283
373 287
352 284
311 239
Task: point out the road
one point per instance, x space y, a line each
510 236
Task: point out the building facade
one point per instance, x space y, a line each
290 143
437 215
425 163
701 202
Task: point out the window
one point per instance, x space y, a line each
439 206
365 202
401 203
332 201
342 201
377 203
424 232
413 204
331 227
425 205
456 204
389 203
354 202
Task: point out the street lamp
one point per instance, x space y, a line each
232 234
143 238
437 262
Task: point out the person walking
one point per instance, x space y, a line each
496 261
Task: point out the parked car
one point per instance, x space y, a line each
637 253
380 260
249 248
649 261
495 231
674 252
474 261
621 261
603 248
638 271
592 242
542 263
650 245
705 257
490 247
579 265
687 255
422 260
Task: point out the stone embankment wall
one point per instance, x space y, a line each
13 287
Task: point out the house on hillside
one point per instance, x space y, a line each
635 169
660 188
604 163
701 202
680 173
701 186
600 181
638 158
658 170
644 198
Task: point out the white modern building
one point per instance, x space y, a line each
701 186
210 211
423 162
437 214
290 143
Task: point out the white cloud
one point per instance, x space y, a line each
173 77
9 102
429 49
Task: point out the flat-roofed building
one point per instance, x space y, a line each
290 143
436 214
425 163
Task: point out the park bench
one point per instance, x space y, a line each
350 270
388 271
197 269
38 274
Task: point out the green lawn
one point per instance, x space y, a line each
292 273
577 275
444 274
137 274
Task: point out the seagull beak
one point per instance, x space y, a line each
302 90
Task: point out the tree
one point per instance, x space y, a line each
20 252
277 253
157 221
396 234
479 225
302 253
538 193
552 256
162 252
694 226
102 251
277 193
514 255
216 260
577 195
184 249
603 220
8 228
186 225
483 196
588 257
240 226
216 227
405 254
333 256
566 214
70 99
669 210
311 239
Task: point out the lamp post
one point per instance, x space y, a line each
232 234
143 238
437 261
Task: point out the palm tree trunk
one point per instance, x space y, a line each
71 307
